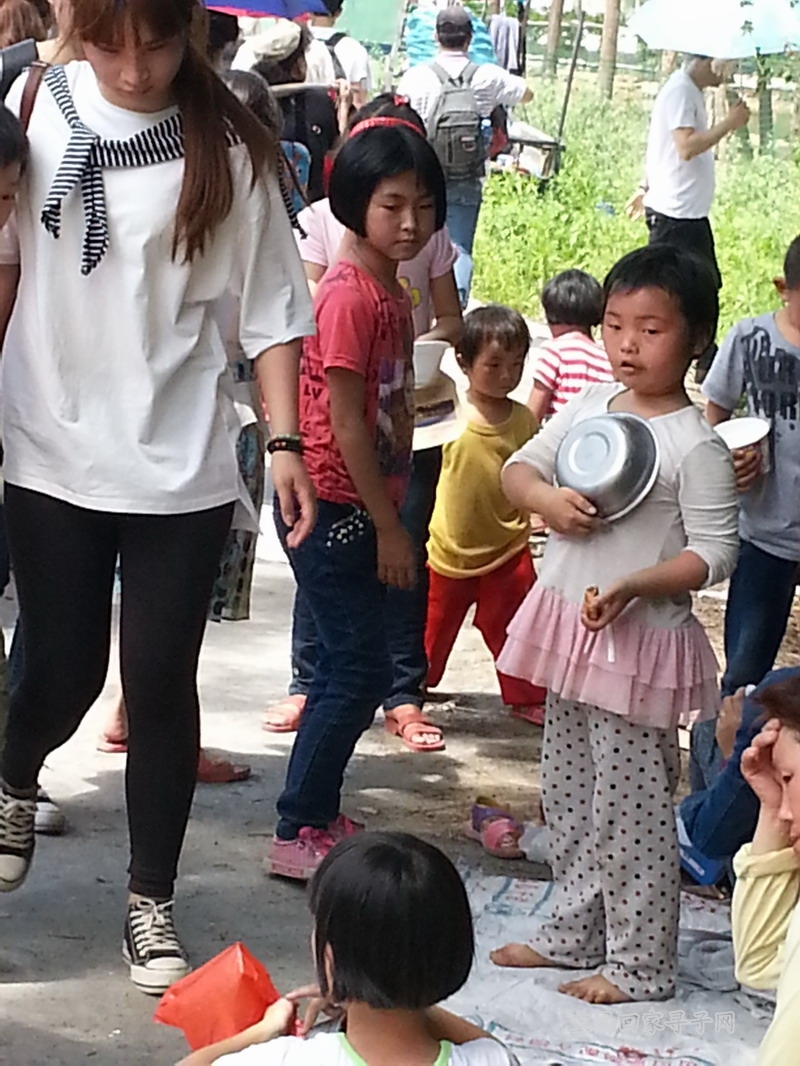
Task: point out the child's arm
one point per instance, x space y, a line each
446 310
275 1023
723 388
539 400
671 578
396 563
442 1025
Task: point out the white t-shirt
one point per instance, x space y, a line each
677 188
351 54
113 394
333 1049
491 84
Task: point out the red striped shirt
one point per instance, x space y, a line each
567 364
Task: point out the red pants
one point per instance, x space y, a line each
498 596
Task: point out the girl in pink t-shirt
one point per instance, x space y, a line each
357 420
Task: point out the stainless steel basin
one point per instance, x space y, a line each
612 460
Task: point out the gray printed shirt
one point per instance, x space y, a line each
757 362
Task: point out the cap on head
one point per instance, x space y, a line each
277 39
454 19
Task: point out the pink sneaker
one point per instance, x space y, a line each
299 858
344 827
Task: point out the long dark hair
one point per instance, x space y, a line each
210 111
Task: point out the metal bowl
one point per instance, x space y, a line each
612 460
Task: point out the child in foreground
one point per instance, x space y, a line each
478 549
624 669
392 938
573 306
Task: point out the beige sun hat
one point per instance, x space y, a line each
277 39
439 414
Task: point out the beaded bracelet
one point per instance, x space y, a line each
285 442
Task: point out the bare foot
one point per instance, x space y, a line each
520 956
114 737
594 989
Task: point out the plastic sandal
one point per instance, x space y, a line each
413 722
497 830
287 713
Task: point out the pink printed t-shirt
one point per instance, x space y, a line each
362 327
568 364
324 237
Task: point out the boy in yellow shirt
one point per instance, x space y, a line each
478 549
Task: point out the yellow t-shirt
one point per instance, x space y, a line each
474 529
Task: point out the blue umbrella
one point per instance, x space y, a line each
725 29
421 44
287 9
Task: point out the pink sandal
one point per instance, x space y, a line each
497 830
409 722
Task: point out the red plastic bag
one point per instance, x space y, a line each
228 994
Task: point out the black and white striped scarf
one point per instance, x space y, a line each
86 157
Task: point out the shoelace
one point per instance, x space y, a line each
152 927
16 822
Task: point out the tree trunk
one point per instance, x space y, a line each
608 48
550 65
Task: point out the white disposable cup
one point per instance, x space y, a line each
741 433
427 360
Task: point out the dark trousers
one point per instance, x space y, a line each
336 569
405 609
689 235
64 559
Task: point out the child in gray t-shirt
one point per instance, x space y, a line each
760 361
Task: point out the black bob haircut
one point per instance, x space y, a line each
493 323
791 265
13 140
372 155
394 913
573 298
687 279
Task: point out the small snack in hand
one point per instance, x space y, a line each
590 597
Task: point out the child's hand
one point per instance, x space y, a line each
758 770
607 606
569 513
728 722
396 557
317 1004
747 464
278 1019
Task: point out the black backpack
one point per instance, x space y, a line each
331 43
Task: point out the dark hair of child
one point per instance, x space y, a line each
13 140
223 30
686 278
791 265
254 93
284 71
370 156
387 105
333 6
496 323
573 298
393 913
782 701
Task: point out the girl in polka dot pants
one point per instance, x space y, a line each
624 666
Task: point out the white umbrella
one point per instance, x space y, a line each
724 29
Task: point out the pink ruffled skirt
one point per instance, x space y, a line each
651 676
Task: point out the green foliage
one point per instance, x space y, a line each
527 235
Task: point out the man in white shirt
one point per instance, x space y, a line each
679 183
334 56
491 86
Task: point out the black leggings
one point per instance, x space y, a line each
64 559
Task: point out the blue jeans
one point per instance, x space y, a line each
463 209
405 610
336 570
759 600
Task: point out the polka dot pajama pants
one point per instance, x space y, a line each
607 791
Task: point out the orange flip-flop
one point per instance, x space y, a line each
413 722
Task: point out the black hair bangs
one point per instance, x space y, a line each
374 154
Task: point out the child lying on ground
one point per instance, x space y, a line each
392 937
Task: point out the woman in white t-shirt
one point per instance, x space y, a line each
392 938
151 192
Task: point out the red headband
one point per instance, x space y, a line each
384 120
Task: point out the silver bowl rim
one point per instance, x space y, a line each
646 489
